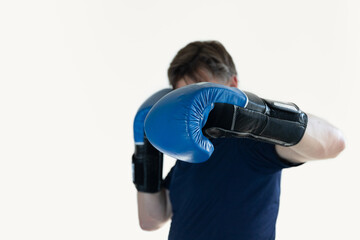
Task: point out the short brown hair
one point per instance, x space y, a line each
208 56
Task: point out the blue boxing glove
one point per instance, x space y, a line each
147 161
181 122
174 125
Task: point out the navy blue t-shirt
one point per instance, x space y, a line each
233 195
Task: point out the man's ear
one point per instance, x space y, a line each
233 81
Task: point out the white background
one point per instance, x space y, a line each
73 74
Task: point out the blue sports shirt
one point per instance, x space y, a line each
233 195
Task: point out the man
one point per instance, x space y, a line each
233 192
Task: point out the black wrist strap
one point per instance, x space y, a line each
274 122
147 164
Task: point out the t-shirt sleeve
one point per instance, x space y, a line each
264 156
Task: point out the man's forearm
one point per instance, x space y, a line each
154 209
320 141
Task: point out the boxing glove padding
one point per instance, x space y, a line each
142 113
266 120
174 124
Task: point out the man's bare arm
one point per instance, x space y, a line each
154 209
320 141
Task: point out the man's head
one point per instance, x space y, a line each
206 61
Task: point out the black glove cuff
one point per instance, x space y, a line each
265 120
147 164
